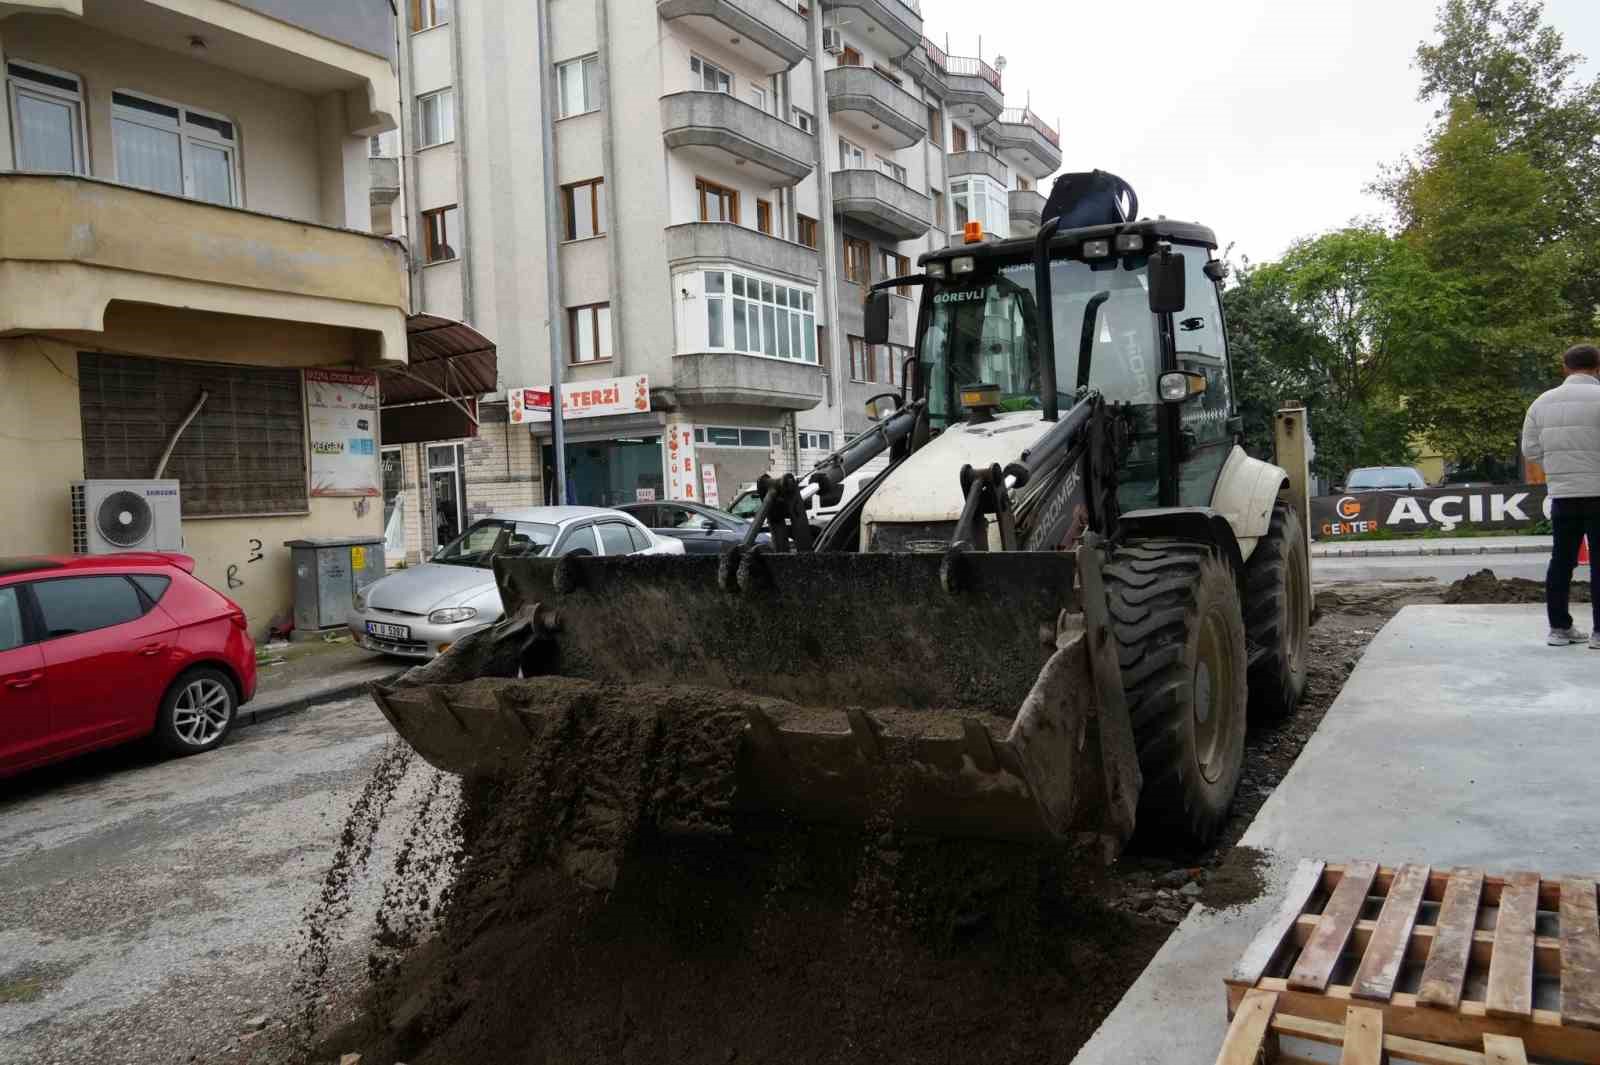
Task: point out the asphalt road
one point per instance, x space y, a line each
149 909
1442 568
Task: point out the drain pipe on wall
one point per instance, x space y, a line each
829 249
552 239
468 310
619 329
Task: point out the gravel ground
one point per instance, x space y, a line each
156 907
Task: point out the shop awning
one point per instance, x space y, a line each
434 396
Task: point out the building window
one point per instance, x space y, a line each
426 14
893 169
174 149
808 230
980 200
857 261
436 118
935 126
758 98
767 317
584 204
877 363
47 113
729 436
394 480
764 217
896 265
958 139
578 85
439 234
590 330
244 452
850 57
708 76
717 202
803 121
815 441
1023 183
939 219
851 156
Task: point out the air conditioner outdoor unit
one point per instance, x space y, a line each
832 41
110 516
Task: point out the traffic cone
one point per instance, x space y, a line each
1583 551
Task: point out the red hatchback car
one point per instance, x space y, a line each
101 649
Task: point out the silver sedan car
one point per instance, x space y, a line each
420 611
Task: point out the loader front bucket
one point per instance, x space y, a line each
973 694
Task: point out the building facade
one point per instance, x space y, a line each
186 215
714 158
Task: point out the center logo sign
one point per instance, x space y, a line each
1508 507
1349 508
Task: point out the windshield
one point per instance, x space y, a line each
1385 477
983 330
479 545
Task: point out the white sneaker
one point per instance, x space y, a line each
1563 637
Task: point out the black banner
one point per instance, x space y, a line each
1509 507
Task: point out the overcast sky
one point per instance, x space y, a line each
1264 119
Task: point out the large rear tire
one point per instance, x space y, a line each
1276 612
1181 644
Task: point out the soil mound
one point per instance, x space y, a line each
744 940
1484 587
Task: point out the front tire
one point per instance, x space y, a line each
197 713
1277 609
1181 644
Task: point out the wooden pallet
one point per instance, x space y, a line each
1258 1033
1444 957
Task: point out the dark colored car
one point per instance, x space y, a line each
704 530
96 650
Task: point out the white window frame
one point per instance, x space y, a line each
186 134
848 151
21 85
803 121
758 97
812 440
702 436
447 117
700 74
892 169
582 62
796 318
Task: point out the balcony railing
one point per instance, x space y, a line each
1022 116
960 65
914 5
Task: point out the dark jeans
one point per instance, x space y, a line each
1571 520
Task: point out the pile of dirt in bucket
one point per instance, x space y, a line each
1484 587
741 940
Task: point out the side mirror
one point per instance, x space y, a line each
882 406
1166 281
708 525
875 329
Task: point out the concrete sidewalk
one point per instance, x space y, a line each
294 676
1460 739
1460 545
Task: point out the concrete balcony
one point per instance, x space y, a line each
71 246
345 48
385 180
900 20
970 87
722 243
1027 209
977 164
878 200
727 378
720 127
1027 142
771 33
869 99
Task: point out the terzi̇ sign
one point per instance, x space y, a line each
1498 507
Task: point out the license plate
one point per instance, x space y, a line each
393 632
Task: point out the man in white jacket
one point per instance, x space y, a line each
1562 434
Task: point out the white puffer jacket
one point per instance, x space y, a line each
1562 434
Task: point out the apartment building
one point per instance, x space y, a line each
703 160
186 205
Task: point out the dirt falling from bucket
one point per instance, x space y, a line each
321 926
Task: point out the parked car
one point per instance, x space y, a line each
97 650
703 530
1382 479
420 611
